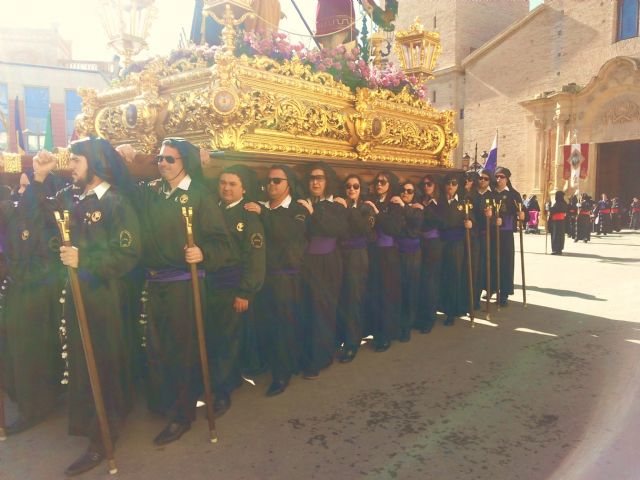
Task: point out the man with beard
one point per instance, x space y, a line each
172 347
106 246
232 289
278 303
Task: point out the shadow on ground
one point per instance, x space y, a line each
459 403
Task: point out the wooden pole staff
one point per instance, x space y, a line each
469 264
187 214
524 285
487 255
3 435
87 345
498 206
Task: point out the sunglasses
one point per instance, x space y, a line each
408 190
381 181
484 179
317 178
501 176
352 186
170 159
427 184
275 180
452 182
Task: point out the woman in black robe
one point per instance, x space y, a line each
385 296
321 268
355 260
454 297
583 222
410 258
432 223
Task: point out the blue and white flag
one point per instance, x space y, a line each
492 160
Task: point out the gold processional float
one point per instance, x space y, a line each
257 110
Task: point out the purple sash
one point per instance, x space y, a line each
453 234
408 245
321 245
383 240
355 243
507 223
431 234
224 278
170 275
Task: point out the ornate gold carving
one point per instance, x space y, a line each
621 112
84 122
11 162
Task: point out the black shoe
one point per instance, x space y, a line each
449 321
405 335
277 387
347 355
20 425
172 432
382 347
221 404
88 460
310 373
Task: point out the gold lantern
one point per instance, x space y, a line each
127 24
418 50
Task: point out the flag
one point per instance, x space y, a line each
492 160
48 134
18 128
576 162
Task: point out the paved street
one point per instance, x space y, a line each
544 392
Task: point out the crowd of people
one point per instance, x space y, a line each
582 216
295 273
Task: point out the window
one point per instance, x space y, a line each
72 107
628 19
36 106
4 116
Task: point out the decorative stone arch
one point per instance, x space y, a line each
608 108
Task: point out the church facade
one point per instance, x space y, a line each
566 72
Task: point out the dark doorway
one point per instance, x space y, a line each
619 170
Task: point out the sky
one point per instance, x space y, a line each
80 22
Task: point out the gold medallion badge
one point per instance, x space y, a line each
25 235
183 199
96 216
240 226
126 239
257 240
460 207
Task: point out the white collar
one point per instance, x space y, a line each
328 199
506 189
455 197
285 203
488 189
231 205
184 184
98 190
435 202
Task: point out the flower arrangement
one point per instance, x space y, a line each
343 64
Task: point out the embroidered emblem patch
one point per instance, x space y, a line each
54 244
240 226
257 240
183 199
96 216
126 239
300 217
372 221
25 235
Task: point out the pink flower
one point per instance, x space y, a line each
322 68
